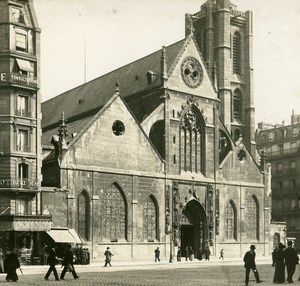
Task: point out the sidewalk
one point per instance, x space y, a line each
164 264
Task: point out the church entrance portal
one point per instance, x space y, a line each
193 226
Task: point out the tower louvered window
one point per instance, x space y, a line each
236 53
237 105
192 141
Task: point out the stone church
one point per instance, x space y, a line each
161 152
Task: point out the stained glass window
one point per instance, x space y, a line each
113 214
192 144
83 215
230 221
252 219
150 220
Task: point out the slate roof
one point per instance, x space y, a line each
263 135
91 96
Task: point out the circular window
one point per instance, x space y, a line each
191 72
242 155
118 128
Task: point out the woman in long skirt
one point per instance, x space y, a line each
279 275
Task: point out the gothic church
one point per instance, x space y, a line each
161 152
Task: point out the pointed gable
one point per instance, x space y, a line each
113 140
176 81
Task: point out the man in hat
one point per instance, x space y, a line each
291 260
108 256
249 260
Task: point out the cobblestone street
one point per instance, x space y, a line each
188 274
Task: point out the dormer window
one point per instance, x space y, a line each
295 131
17 16
151 77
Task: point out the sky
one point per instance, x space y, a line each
84 39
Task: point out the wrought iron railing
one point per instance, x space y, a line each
23 112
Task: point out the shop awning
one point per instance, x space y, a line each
64 235
24 65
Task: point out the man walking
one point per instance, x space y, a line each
52 260
157 254
108 256
291 260
249 260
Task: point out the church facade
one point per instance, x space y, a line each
159 153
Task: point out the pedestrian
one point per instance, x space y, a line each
52 261
291 260
157 254
249 260
108 256
179 254
279 275
11 264
273 256
186 252
221 254
68 263
191 253
200 252
1 261
207 253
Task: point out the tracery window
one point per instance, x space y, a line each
150 220
114 214
230 221
84 215
236 53
192 141
252 219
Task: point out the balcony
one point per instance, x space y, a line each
24 184
25 222
23 148
23 113
18 79
281 153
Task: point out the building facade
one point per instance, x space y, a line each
279 145
160 152
21 222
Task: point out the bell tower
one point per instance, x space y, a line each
224 36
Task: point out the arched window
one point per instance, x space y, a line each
236 53
114 214
150 220
157 137
84 215
230 221
237 105
192 141
252 219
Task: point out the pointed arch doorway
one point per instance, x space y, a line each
193 227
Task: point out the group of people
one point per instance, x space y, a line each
283 257
67 262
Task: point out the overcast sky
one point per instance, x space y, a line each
84 39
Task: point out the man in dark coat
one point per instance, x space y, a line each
11 264
249 260
291 260
68 263
108 256
52 260
157 254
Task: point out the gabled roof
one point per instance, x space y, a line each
90 97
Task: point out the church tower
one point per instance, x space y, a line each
20 130
224 36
